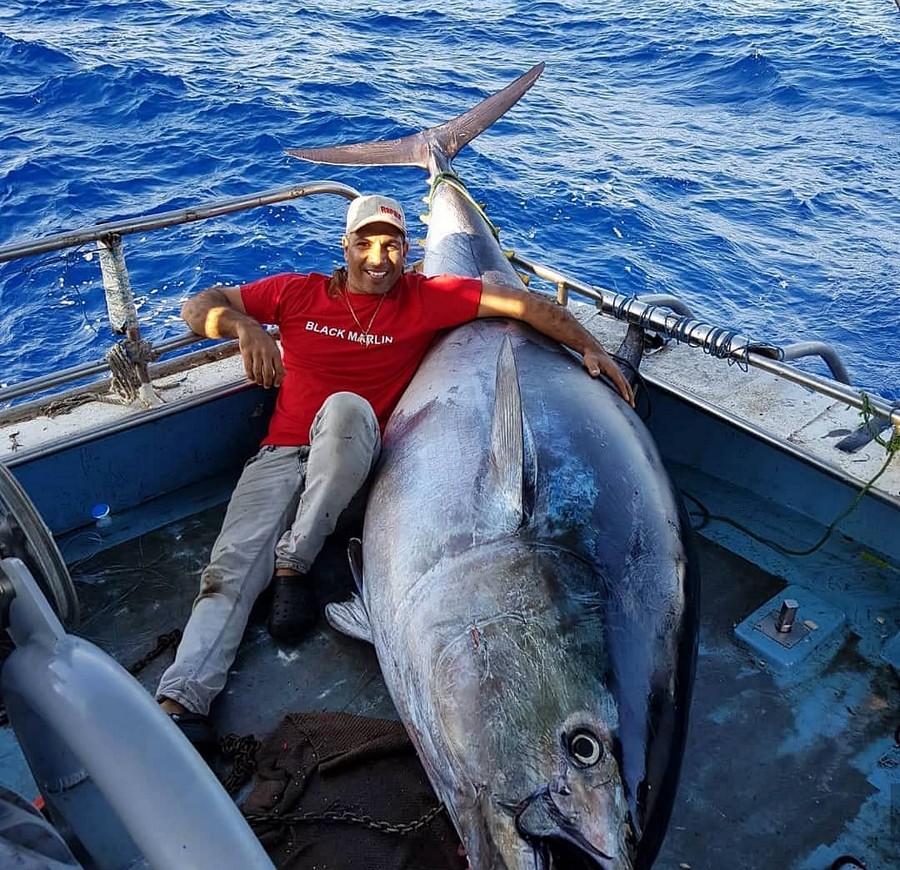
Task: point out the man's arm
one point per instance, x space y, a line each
556 322
219 312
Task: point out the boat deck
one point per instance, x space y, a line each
787 766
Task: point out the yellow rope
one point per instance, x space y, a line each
455 182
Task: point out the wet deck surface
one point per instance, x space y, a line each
782 770
134 593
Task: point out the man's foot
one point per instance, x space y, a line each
199 731
294 608
196 727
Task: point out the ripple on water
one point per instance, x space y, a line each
743 158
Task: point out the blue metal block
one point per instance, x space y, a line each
816 622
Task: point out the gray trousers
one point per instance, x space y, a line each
286 503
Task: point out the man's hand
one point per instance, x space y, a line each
262 358
603 364
218 312
554 321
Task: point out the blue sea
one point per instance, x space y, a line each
744 156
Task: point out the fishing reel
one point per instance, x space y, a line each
25 536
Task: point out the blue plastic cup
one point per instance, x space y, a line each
100 513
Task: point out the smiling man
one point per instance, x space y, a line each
351 343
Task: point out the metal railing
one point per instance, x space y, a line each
119 296
675 322
666 315
126 226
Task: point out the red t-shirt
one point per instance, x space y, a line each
326 350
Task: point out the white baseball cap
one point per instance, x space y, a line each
375 209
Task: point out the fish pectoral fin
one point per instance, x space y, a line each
355 558
350 617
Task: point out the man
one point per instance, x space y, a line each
351 345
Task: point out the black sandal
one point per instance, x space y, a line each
199 731
294 608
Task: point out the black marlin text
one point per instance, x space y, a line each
348 334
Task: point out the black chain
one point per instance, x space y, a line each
242 752
163 642
287 820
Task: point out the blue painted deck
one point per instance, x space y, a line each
784 768
788 765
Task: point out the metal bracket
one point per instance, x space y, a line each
788 628
768 625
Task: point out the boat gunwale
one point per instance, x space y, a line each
783 445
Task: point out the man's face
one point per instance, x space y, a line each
375 256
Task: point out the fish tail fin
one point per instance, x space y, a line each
425 148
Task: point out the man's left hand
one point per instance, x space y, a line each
603 364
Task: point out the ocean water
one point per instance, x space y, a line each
744 156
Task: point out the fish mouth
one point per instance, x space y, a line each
557 841
560 855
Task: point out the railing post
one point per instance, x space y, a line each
123 319
562 293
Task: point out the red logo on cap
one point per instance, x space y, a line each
393 212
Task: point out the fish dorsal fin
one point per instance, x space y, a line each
417 149
508 450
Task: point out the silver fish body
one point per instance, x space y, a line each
527 586
528 581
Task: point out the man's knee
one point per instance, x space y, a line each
213 581
348 408
348 414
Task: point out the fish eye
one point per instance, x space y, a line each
585 748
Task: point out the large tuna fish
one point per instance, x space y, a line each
527 580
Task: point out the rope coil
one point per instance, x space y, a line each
126 358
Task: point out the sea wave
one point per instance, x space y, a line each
741 156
